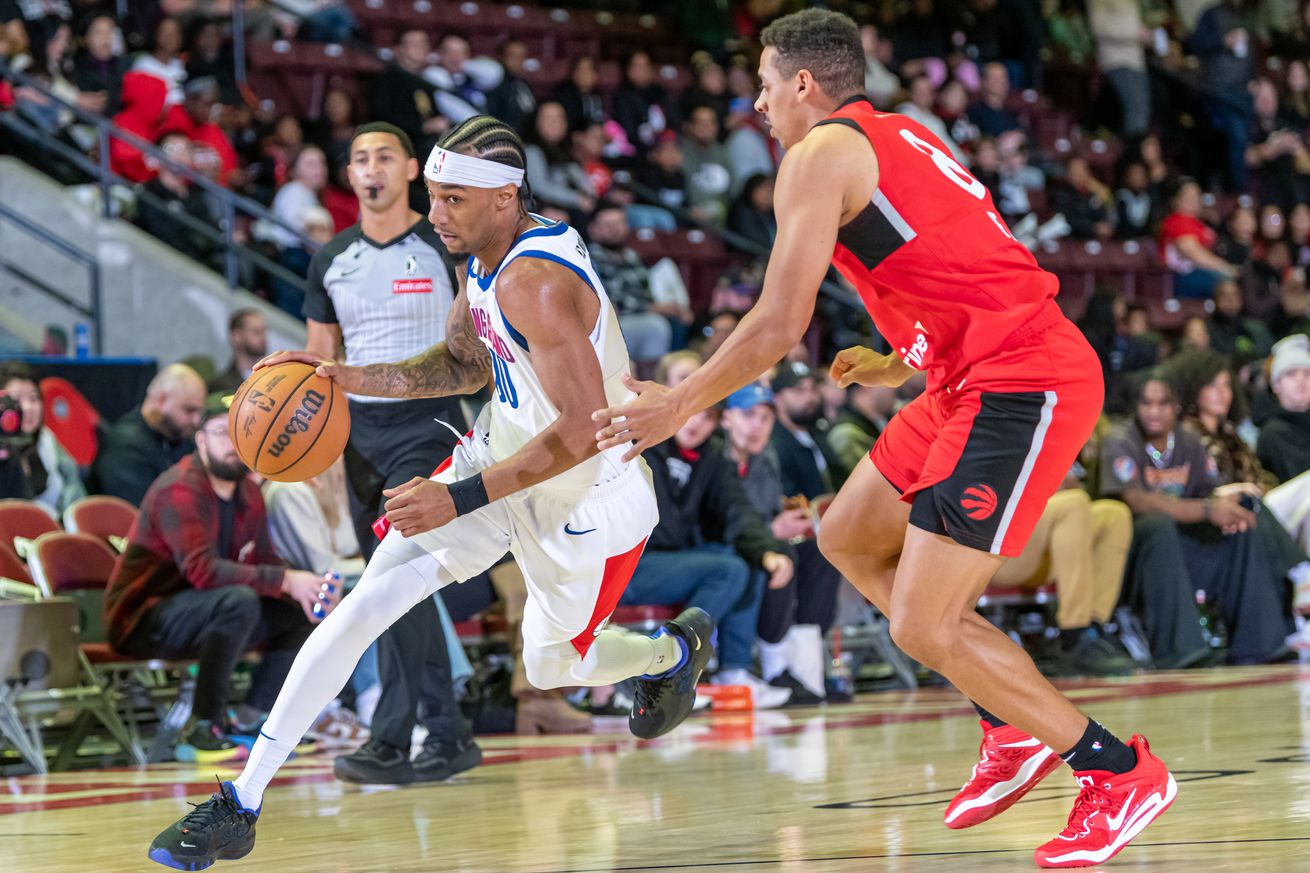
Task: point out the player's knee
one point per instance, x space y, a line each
546 668
928 643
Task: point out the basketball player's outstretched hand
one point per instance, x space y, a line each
860 366
645 421
418 506
329 369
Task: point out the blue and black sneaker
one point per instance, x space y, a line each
220 829
663 702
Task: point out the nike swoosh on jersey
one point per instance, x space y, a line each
577 533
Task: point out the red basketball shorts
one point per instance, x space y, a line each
978 460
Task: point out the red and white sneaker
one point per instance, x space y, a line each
1010 764
1111 810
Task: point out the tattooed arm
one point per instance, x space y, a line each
459 365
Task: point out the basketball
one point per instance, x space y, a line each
288 423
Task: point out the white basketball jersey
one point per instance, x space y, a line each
520 407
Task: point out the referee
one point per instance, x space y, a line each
382 289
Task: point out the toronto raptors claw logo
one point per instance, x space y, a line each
979 501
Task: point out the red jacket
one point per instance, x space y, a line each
208 134
173 546
143 107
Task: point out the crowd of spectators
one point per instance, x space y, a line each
1187 521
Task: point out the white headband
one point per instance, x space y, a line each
452 168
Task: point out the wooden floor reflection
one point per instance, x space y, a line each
852 788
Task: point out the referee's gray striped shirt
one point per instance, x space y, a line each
391 300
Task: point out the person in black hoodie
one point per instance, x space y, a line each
1284 445
641 107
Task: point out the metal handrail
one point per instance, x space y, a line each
107 130
86 165
93 311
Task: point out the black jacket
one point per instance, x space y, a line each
132 455
405 100
1284 445
701 501
800 472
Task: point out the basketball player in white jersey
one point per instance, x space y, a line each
528 480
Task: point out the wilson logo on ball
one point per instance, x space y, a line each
310 405
979 501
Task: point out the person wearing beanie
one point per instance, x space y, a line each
1284 445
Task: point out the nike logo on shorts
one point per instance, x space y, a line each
577 533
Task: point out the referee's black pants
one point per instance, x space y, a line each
391 443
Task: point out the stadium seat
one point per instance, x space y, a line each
15 580
71 418
101 516
24 520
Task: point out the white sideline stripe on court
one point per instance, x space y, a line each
1039 437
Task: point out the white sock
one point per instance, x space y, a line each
266 757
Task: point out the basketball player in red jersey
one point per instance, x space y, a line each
959 478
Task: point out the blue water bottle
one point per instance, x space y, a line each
331 579
82 339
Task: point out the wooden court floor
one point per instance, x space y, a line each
859 787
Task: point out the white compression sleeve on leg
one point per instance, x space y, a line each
391 585
618 654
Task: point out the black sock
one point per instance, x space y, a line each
1100 750
992 721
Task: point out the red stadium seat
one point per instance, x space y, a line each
12 566
101 516
24 519
71 418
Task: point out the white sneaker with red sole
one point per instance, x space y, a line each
1110 811
1010 764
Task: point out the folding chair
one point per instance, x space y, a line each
102 516
22 521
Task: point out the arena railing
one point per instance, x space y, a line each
232 204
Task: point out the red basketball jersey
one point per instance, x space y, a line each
943 279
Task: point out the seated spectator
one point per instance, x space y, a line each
556 178
640 103
317 225
1284 445
1237 239
857 426
1081 544
33 465
13 33
145 442
163 60
587 149
1294 100
401 96
709 87
1276 149
512 101
798 431
1298 233
952 108
1084 202
661 172
647 325
272 168
793 618
1136 209
1190 536
751 151
1187 245
99 67
991 112
713 330
336 126
752 212
1232 333
142 114
580 94
922 33
880 83
986 167
209 56
200 579
194 118
710 549
1017 175
919 106
1122 354
247 336
706 166
1293 313
301 192
1273 227
169 195
462 81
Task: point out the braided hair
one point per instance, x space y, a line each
491 139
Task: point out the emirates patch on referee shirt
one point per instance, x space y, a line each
411 286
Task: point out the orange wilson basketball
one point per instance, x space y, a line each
288 423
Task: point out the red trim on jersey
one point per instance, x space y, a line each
613 582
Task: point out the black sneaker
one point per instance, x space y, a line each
206 743
800 695
1093 656
375 763
664 702
437 761
220 829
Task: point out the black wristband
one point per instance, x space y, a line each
469 494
